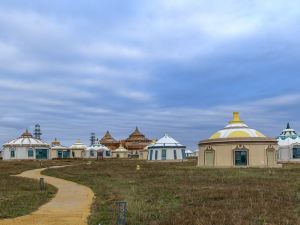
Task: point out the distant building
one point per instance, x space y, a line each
78 149
26 147
136 143
237 145
289 145
97 150
59 151
166 149
120 152
189 153
109 141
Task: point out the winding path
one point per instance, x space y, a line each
70 206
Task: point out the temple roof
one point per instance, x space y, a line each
108 138
136 135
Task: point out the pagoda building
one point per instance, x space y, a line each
289 145
237 145
136 144
109 141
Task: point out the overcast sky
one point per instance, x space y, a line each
175 66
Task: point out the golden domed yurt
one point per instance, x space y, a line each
237 145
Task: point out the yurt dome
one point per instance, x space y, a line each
78 145
26 140
166 141
288 137
98 147
236 129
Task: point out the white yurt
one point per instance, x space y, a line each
120 152
166 149
97 150
58 151
26 147
289 145
78 149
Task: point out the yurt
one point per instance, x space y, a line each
166 149
237 145
26 147
78 149
289 145
97 150
59 151
120 152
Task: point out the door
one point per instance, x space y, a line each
209 158
270 157
66 154
59 154
163 154
241 158
41 153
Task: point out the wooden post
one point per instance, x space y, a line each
122 209
42 184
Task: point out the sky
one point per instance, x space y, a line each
167 66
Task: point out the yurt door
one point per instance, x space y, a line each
270 157
209 158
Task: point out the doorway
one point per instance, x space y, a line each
271 157
209 158
241 158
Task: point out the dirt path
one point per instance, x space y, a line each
70 206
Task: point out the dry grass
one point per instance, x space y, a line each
181 193
20 196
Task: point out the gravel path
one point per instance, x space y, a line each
70 206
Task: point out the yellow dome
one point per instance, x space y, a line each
236 129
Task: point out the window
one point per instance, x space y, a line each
175 154
183 154
30 153
163 154
12 154
151 153
156 154
241 158
296 153
107 153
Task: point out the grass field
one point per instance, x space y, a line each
181 193
20 196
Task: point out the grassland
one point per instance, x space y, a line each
181 193
20 196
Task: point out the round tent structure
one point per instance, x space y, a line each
289 145
26 147
78 149
238 145
166 149
97 150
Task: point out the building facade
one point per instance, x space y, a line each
289 145
237 145
78 149
136 144
166 149
59 151
26 147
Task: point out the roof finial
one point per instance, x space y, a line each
236 118
288 126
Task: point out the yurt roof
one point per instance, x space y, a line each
26 139
236 129
78 145
288 137
166 141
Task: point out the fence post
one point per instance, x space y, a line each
122 209
42 184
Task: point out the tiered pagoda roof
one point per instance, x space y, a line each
108 138
137 136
